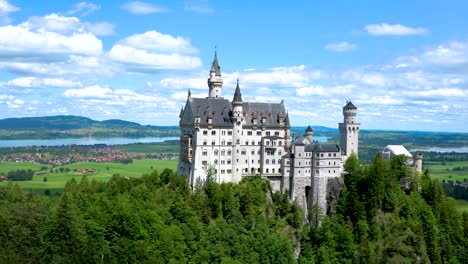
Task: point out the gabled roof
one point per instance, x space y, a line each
318 147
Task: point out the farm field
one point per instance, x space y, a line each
104 171
443 170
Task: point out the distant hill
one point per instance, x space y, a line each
63 126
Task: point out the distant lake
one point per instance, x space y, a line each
81 141
93 141
443 150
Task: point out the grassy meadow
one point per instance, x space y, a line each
443 170
462 205
104 171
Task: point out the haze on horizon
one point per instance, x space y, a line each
404 65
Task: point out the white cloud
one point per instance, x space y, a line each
325 91
394 30
340 46
442 92
45 38
101 28
153 40
198 9
94 91
184 83
153 51
15 104
84 8
34 82
143 8
6 7
138 60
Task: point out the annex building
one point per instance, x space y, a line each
241 139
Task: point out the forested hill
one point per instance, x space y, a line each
76 126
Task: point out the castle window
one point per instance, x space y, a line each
258 170
277 133
299 154
223 142
229 171
229 143
238 141
267 161
253 161
329 154
273 170
204 162
273 161
279 143
316 171
213 142
259 133
229 133
279 170
223 152
246 142
279 161
267 171
223 132
253 142
279 152
267 143
205 132
334 163
243 152
334 154
329 163
318 155
328 171
205 153
223 171
229 152
249 133
213 132
204 143
252 152
223 162
216 161
317 163
229 162
216 152
299 164
268 133
321 155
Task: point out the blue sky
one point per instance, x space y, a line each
404 64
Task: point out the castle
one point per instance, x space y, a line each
241 139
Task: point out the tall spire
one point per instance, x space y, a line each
237 95
215 66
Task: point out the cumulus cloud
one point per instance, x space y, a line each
143 8
394 30
340 46
6 7
153 51
84 8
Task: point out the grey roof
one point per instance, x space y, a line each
220 110
287 120
215 66
237 94
349 105
309 129
317 147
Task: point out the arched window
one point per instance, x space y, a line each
215 161
273 161
216 152
223 152
267 161
229 152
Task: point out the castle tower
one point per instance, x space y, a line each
417 162
215 82
349 130
237 119
309 132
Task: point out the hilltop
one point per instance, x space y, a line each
67 126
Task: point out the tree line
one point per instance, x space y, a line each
157 219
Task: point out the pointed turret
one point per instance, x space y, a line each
287 120
215 66
215 82
237 100
309 132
